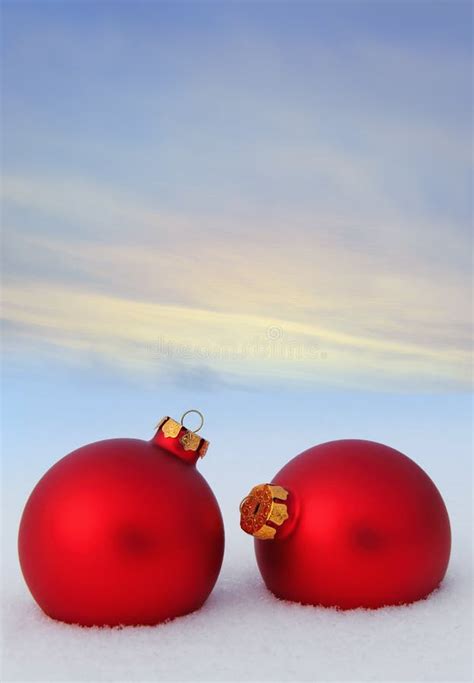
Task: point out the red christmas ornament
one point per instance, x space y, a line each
123 531
349 524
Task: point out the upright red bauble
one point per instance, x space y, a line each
349 524
123 531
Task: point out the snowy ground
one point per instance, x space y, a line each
243 633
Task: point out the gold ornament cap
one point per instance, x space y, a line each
263 511
179 440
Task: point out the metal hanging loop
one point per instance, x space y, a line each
192 410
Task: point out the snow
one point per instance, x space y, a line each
244 634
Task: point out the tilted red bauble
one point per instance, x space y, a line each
123 531
349 524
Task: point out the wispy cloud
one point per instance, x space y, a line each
205 187
137 335
345 317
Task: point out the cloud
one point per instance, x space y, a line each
269 184
207 289
139 336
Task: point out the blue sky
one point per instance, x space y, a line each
258 197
